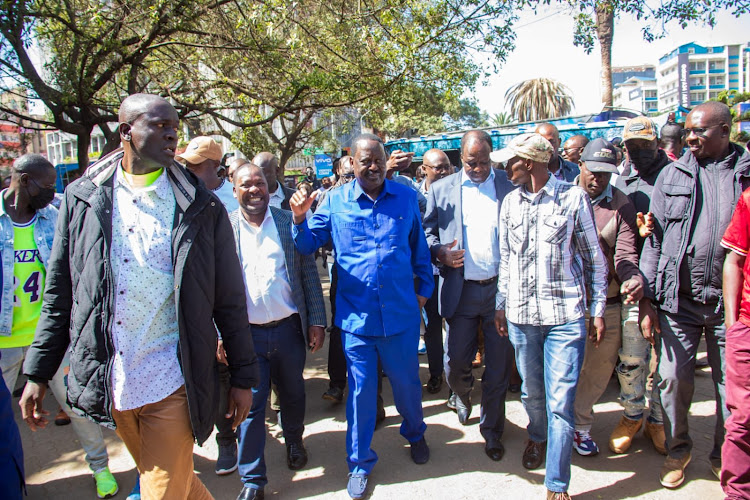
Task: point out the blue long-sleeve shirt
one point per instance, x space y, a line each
380 246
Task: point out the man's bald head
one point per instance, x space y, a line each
707 129
247 167
714 110
550 132
270 166
435 165
32 164
135 105
435 156
475 135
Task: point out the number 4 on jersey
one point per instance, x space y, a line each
31 286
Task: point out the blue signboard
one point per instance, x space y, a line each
323 166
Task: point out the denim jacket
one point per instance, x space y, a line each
44 233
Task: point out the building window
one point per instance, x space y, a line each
713 95
696 81
698 66
716 80
715 65
691 50
697 96
650 94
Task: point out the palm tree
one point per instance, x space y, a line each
605 30
538 99
500 119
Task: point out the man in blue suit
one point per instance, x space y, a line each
461 229
287 314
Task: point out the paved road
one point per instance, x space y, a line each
458 467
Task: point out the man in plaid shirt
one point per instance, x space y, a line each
550 262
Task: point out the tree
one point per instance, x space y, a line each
730 98
500 119
538 99
94 52
311 56
594 19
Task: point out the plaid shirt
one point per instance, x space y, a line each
550 256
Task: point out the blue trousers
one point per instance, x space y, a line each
11 453
398 355
281 354
549 359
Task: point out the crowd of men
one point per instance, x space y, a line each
163 299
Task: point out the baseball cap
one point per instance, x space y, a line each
599 155
533 147
200 149
639 127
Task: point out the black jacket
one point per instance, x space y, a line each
673 206
78 305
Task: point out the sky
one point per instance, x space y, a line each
547 39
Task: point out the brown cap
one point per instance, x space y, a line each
200 149
639 127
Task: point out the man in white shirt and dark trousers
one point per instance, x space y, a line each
287 314
550 259
461 229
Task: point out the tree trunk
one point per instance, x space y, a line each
605 30
84 140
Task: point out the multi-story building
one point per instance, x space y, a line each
638 93
692 74
621 74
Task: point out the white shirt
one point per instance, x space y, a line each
479 213
225 192
267 288
276 198
145 332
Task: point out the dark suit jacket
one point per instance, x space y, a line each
287 196
443 223
300 269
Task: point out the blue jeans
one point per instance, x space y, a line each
398 354
633 369
549 359
281 352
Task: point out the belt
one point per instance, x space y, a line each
614 300
272 324
488 281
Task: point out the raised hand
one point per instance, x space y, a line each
300 203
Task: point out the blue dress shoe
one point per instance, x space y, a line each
249 493
357 485
420 452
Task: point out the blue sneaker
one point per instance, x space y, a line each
584 444
422 347
135 494
357 485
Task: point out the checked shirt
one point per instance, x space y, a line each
550 256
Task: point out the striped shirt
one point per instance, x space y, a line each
550 256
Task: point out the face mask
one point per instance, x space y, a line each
41 200
642 159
